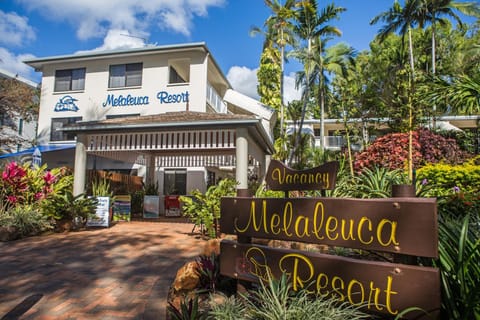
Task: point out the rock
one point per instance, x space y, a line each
212 247
187 277
9 233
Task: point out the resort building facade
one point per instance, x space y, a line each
166 113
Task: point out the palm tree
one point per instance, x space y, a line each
404 19
278 33
432 11
311 28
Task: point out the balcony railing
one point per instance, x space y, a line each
215 101
337 142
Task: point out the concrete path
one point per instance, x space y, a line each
123 272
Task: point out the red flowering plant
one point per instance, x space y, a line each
391 151
22 185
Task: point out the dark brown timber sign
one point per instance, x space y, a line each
282 178
379 287
397 225
401 226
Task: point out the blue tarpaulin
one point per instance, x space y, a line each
41 148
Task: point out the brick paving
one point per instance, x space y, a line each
123 272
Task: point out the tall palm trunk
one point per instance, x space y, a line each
282 67
410 107
305 102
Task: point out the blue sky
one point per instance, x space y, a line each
41 28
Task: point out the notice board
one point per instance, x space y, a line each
122 208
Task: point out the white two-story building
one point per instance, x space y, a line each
167 113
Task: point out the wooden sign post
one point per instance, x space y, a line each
405 226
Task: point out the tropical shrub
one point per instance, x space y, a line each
391 151
25 219
277 300
445 177
189 310
459 264
369 183
67 207
49 191
21 184
204 209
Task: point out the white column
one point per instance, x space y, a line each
80 167
242 161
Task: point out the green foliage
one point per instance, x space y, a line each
277 301
151 189
210 277
137 201
27 219
231 308
369 183
269 74
204 209
444 177
188 310
459 263
101 188
66 206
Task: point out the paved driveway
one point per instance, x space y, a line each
123 272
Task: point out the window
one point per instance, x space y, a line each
175 181
69 80
125 75
179 71
58 123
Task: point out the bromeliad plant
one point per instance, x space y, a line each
22 185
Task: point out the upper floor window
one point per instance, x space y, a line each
69 79
179 71
58 123
125 75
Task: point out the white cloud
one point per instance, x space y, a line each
244 80
290 93
92 18
14 29
14 64
119 39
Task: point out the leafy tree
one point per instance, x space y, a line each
17 99
404 19
278 34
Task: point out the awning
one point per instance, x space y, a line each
41 148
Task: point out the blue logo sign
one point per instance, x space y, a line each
66 103
165 97
123 101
